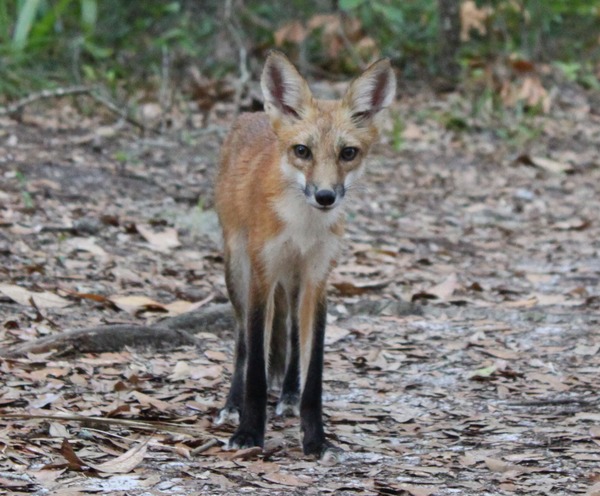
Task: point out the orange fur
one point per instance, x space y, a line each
281 211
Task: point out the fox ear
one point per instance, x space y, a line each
372 91
285 91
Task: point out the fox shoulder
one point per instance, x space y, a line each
249 134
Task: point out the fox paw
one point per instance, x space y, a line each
288 405
326 452
228 414
245 438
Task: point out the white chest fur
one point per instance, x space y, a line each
306 242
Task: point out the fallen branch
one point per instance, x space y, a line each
19 105
140 424
166 334
169 333
16 107
123 114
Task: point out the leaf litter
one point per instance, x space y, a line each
487 383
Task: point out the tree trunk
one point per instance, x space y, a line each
449 41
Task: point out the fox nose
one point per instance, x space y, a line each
325 197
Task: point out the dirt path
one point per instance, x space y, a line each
486 385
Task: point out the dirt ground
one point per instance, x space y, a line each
463 348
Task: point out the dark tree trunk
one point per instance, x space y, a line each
449 41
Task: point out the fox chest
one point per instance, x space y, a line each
305 246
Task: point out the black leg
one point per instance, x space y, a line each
251 431
311 415
279 340
233 405
290 389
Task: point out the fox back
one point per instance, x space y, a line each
284 177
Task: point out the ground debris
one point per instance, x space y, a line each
463 356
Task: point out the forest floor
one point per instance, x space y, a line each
463 348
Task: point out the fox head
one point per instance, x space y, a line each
323 143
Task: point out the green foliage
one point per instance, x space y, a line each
405 30
46 42
28 202
539 29
397 134
122 43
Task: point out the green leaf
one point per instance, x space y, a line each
350 4
391 13
25 19
4 22
89 13
484 372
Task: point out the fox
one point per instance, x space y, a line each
284 177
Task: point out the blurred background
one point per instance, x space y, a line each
508 51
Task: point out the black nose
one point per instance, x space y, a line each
325 197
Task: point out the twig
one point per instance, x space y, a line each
163 96
15 107
240 84
205 447
148 425
349 46
123 114
257 20
556 402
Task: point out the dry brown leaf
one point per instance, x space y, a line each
146 399
292 32
74 462
550 165
124 463
586 350
285 479
334 333
593 490
575 224
180 306
473 18
445 289
418 490
348 287
137 304
246 454
163 241
86 244
23 296
501 466
181 371
501 353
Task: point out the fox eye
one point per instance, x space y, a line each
302 151
348 153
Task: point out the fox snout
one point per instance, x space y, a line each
324 198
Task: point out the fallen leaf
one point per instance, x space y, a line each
586 350
418 490
473 18
23 296
550 165
349 287
124 463
137 304
163 241
334 334
285 479
74 462
146 399
292 32
86 244
445 289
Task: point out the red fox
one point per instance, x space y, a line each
284 177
